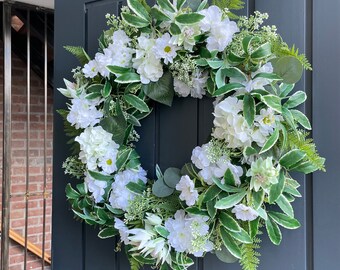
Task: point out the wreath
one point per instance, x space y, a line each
220 202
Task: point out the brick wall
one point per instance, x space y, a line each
36 162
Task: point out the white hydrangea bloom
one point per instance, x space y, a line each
199 156
119 37
212 15
165 49
188 192
91 69
123 231
230 126
96 187
244 212
197 90
83 112
188 233
94 144
120 195
147 65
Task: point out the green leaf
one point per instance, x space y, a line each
225 256
273 102
249 151
249 109
287 115
135 188
117 69
95 88
165 4
230 243
246 42
196 211
241 236
99 176
212 211
71 193
271 141
203 5
107 233
162 231
274 232
159 15
116 125
288 68
284 220
106 91
285 89
180 3
230 200
229 222
174 29
229 178
134 20
270 76
254 227
291 158
301 119
162 90
129 77
215 63
227 188
276 189
138 8
172 177
114 211
235 59
285 206
236 73
262 213
161 190
305 167
296 99
189 18
227 88
93 95
136 102
258 198
132 120
262 52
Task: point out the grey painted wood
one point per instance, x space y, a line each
326 100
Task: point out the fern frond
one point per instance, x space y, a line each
250 256
299 140
79 53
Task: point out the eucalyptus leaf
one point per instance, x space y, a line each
171 177
288 68
225 256
161 190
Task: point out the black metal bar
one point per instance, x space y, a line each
6 176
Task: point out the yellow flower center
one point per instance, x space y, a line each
109 162
167 49
267 120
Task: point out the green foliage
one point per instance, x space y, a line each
299 140
79 53
250 256
230 5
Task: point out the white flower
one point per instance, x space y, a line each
71 90
212 15
165 49
188 192
148 66
266 121
187 36
119 37
153 219
108 161
96 187
199 156
140 237
83 112
90 69
221 35
94 144
244 213
197 90
120 195
231 126
123 231
263 174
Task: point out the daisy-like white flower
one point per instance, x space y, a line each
165 49
263 174
123 231
266 121
188 192
108 161
90 69
96 187
244 212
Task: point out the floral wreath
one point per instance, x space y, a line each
221 202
